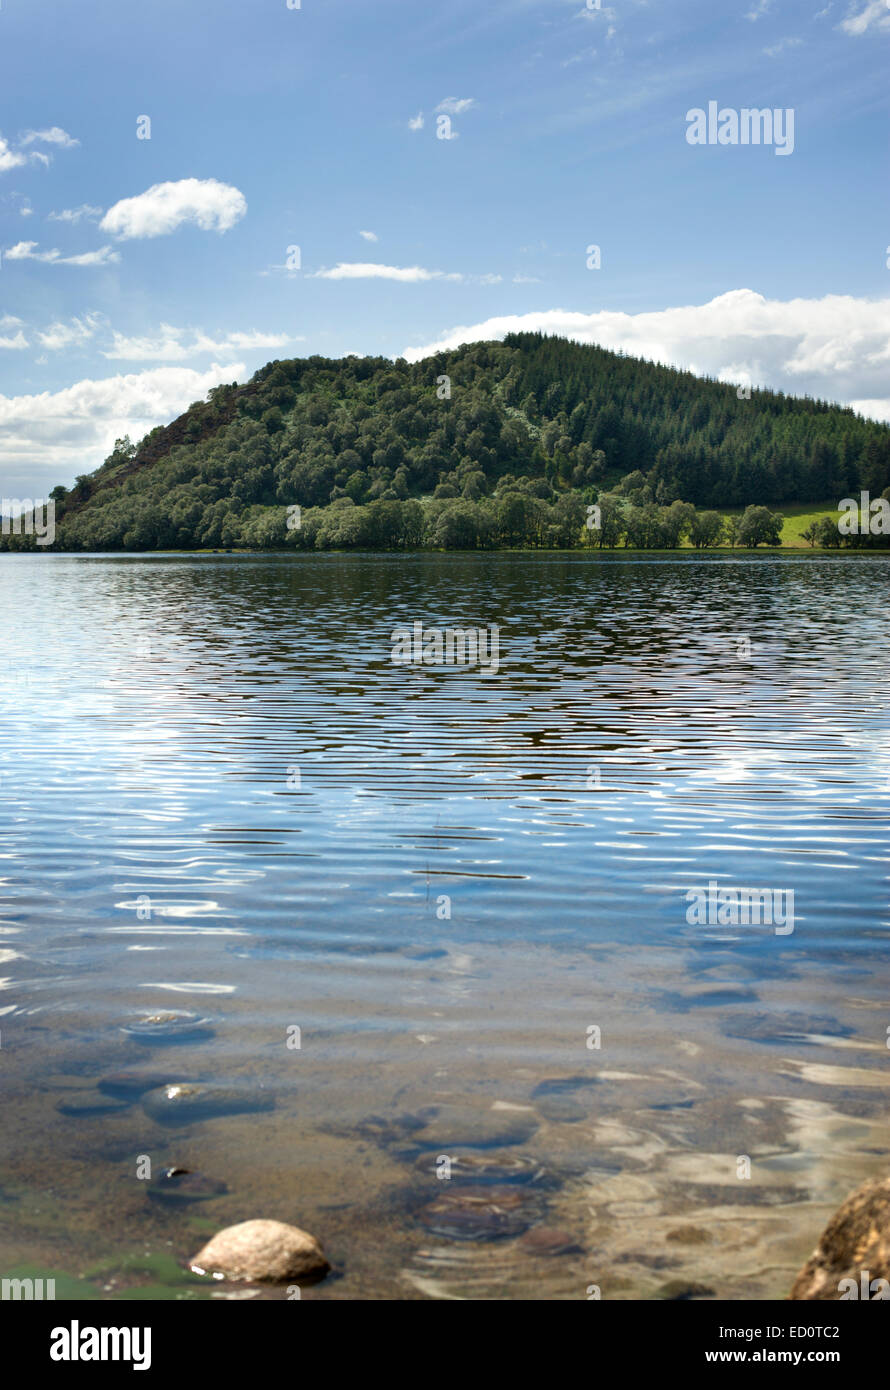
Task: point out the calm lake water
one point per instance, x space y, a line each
227 811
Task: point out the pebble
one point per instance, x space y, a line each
689 1235
177 1025
182 1185
547 1240
185 1103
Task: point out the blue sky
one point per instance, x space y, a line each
135 273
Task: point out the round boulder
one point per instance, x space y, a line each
262 1251
852 1259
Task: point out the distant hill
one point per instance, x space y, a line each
489 444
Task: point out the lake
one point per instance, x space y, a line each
392 922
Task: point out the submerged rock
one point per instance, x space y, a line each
547 1240
182 1185
263 1251
172 1026
684 1291
689 1235
130 1085
565 1099
782 1028
83 1104
486 1213
483 1168
187 1102
449 1127
855 1243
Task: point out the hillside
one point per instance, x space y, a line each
511 449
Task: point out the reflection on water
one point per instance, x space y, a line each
233 832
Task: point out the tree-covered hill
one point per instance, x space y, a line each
489 444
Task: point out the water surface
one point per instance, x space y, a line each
221 797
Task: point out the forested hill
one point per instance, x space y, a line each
551 421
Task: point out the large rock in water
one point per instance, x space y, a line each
263 1251
856 1241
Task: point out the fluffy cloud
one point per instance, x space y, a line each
64 335
875 13
456 106
209 204
407 275
836 348
54 136
75 214
51 437
416 122
367 270
171 345
19 340
369 236
27 251
9 159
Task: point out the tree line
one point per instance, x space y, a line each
490 444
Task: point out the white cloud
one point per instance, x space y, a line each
49 438
759 10
209 204
775 49
875 13
9 159
63 335
836 348
167 347
26 251
243 341
456 106
416 122
38 158
18 342
369 236
875 409
104 256
357 270
55 135
75 214
171 345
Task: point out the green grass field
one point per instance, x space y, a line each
798 516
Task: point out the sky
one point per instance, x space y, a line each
192 188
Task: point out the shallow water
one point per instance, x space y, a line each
160 854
